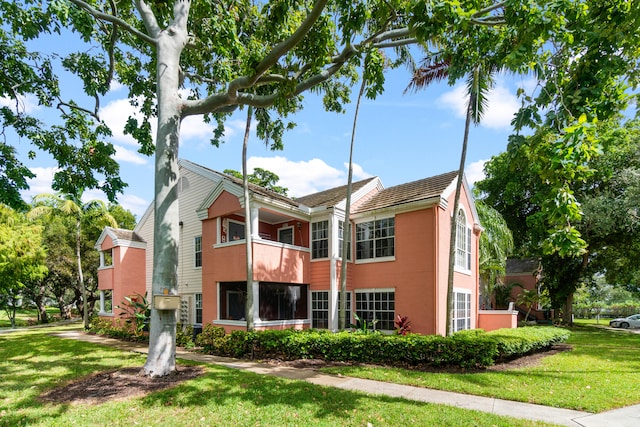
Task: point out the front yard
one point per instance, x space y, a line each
600 373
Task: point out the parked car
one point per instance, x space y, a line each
626 322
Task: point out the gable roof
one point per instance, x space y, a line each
332 196
423 189
121 237
522 266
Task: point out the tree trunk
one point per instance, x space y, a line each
161 359
456 203
346 229
248 310
85 305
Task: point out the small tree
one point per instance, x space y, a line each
528 297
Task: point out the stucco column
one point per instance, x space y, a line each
255 223
255 287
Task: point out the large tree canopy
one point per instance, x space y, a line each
186 58
608 199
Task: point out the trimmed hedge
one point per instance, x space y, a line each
467 349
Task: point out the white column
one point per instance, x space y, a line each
255 222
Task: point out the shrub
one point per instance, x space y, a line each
512 343
184 336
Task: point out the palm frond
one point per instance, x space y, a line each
433 68
479 84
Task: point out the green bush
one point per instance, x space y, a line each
184 336
472 350
514 343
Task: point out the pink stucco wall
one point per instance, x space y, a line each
490 320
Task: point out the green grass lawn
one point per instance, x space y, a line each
602 372
32 362
25 317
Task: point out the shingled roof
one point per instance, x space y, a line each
256 189
122 234
332 196
422 189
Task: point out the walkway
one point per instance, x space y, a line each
624 417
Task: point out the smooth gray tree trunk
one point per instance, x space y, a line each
161 359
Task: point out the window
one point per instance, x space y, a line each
198 251
283 301
461 311
232 300
198 308
106 302
375 239
236 231
285 235
320 239
377 309
463 242
340 240
320 309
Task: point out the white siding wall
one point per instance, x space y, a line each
194 189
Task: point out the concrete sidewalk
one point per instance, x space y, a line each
624 417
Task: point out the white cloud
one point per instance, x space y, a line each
305 177
115 86
129 156
25 104
135 204
502 105
475 171
41 183
115 115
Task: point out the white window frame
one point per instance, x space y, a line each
244 228
341 238
286 228
197 305
461 316
374 239
463 243
373 301
319 306
197 249
327 238
104 258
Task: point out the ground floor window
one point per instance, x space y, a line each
461 311
377 308
232 300
283 301
106 302
320 309
198 308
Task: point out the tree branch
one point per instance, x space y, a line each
114 20
280 50
93 114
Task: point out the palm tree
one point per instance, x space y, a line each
528 298
479 82
249 304
496 242
71 204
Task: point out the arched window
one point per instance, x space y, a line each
463 242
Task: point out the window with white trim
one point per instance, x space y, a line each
236 230
461 317
463 242
198 308
320 239
320 309
375 239
285 235
377 308
197 244
341 238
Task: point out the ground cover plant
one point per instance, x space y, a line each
599 373
33 363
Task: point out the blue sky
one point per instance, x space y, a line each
399 137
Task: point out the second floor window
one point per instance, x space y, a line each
375 239
198 251
463 242
320 239
340 240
